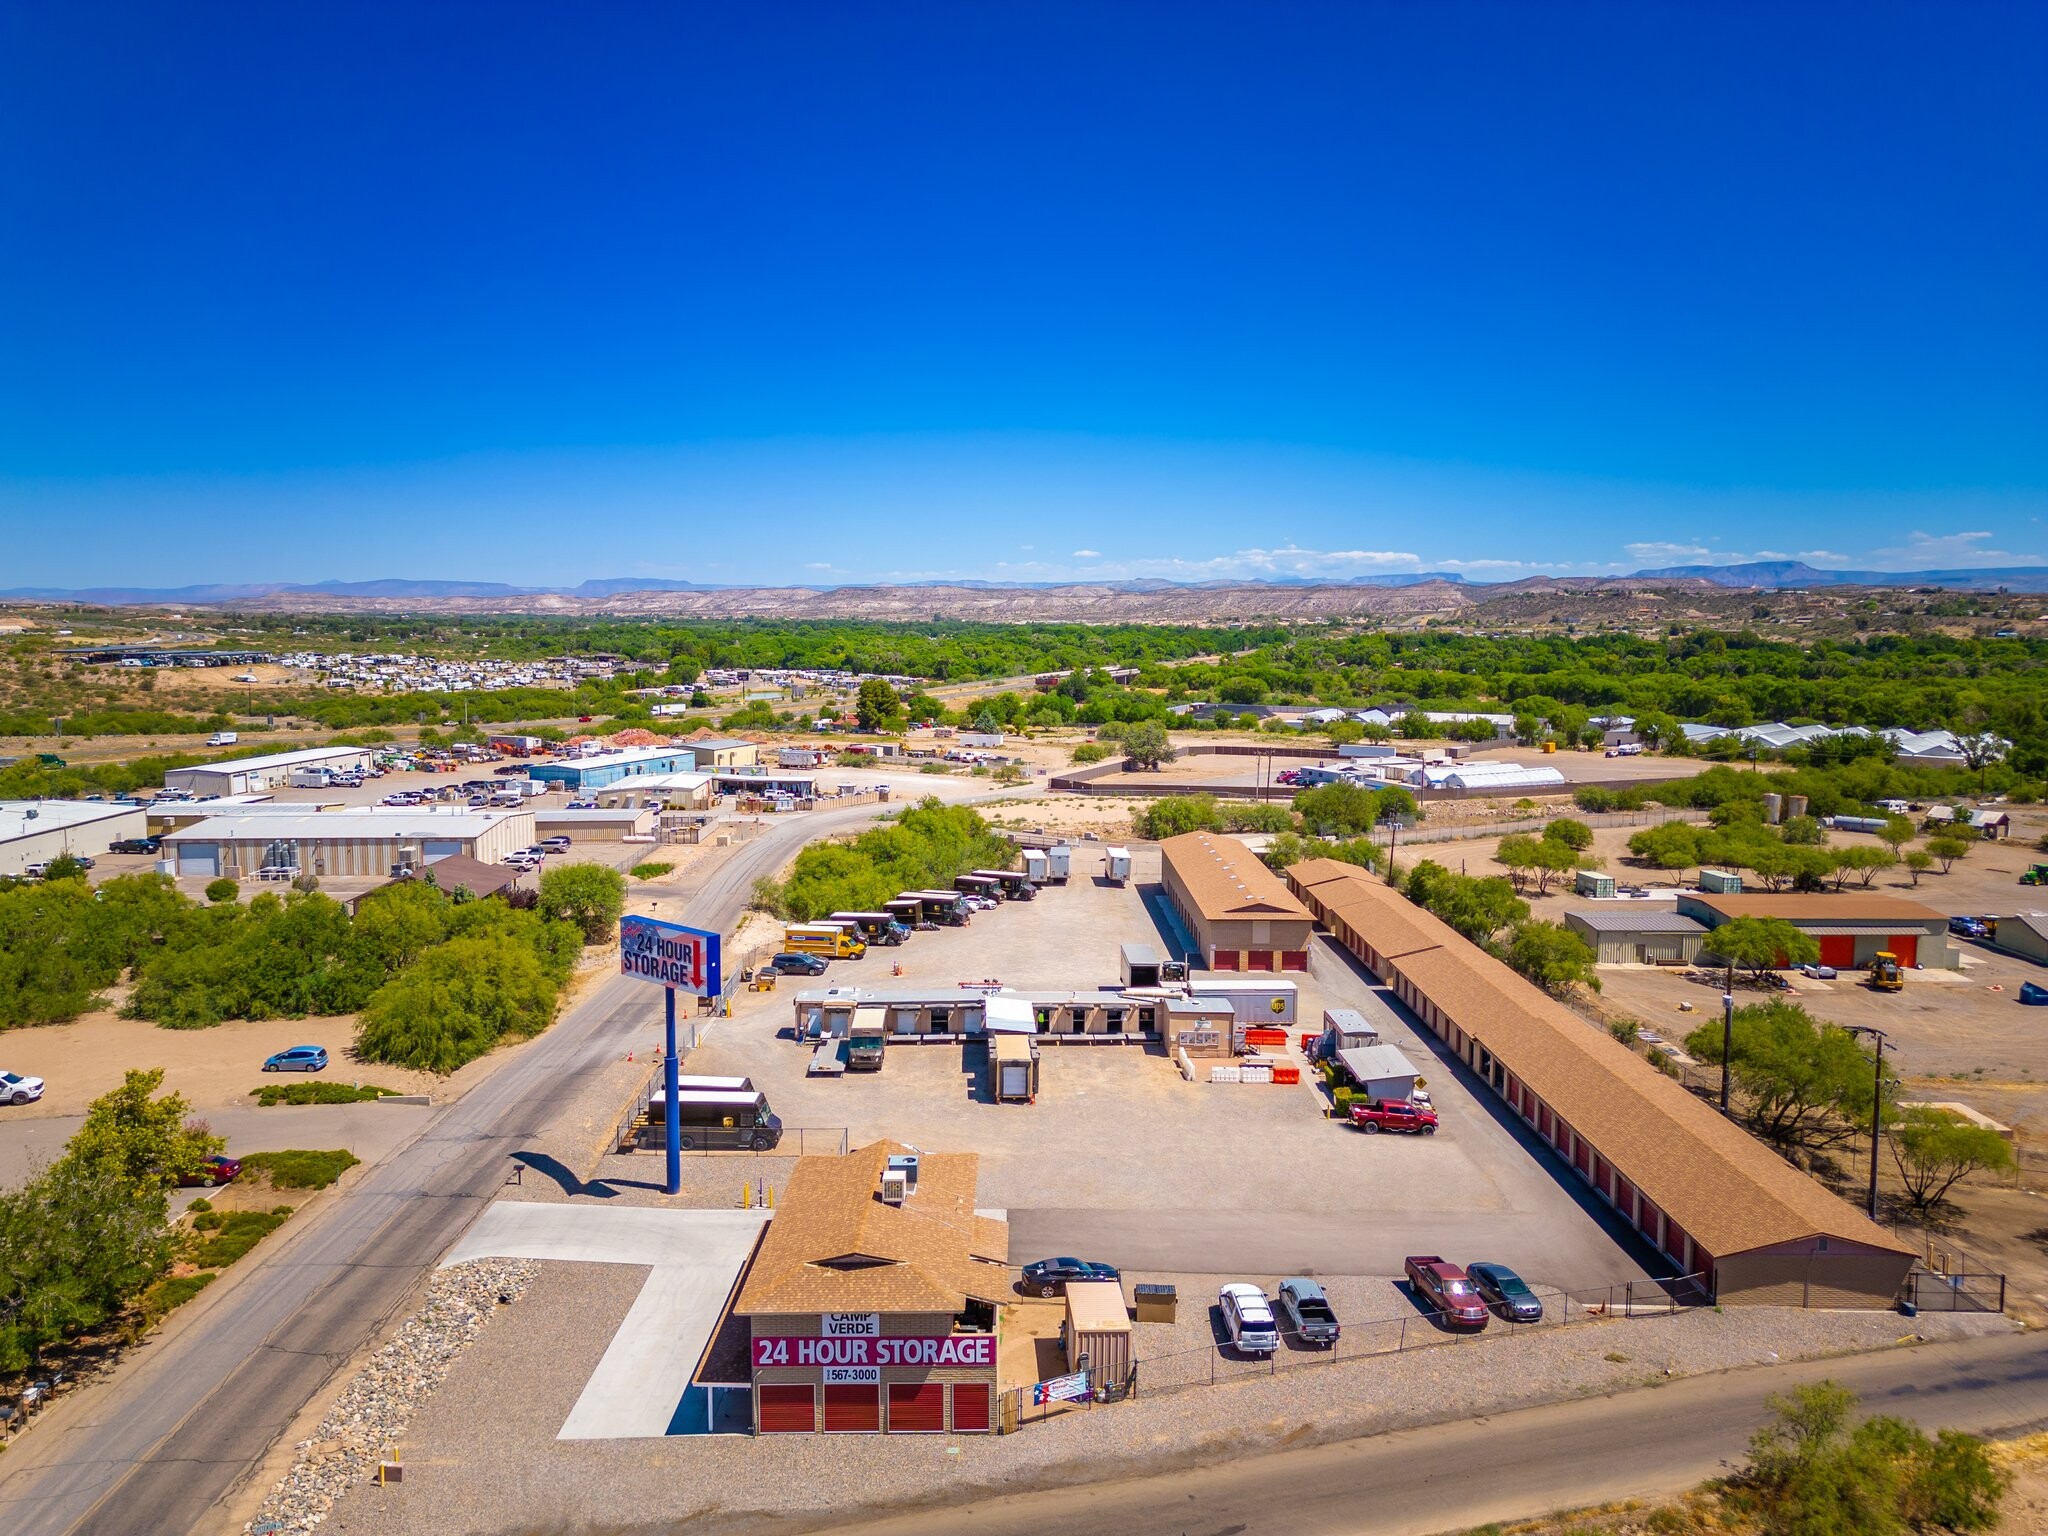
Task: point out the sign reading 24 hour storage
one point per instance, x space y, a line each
669 955
959 1349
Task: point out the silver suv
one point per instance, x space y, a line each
1249 1317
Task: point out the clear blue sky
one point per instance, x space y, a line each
863 290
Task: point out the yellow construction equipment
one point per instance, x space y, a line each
1885 974
762 980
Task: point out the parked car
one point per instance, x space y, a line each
2033 994
791 964
582 805
1817 971
1307 1313
555 844
300 1058
1969 928
1506 1292
135 845
1375 1115
211 1171
511 771
583 719
1446 1290
1249 1318
17 1089
1050 1277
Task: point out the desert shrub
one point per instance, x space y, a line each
272 1094
653 870
222 891
168 1295
456 1002
300 1169
236 1233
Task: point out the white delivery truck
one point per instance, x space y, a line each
1059 861
1119 865
311 778
222 739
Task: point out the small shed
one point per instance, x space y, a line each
1380 1071
1141 965
1590 882
1013 1068
1722 882
1201 1026
1345 1029
1098 1327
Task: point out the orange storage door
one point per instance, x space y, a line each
1906 946
917 1408
1838 950
853 1410
788 1410
970 1408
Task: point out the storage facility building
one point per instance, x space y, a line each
1718 1203
37 831
725 752
676 791
344 843
869 1317
1239 914
1849 926
1635 935
2025 935
599 769
601 826
255 775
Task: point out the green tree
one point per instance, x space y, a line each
64 867
1517 854
1171 815
1669 845
1091 752
1477 908
1146 745
1575 835
1552 956
222 890
986 722
1656 730
1864 862
877 707
457 1002
1946 850
1917 863
135 1140
1803 1083
589 895
1935 1149
1804 831
1896 833
1760 945
1337 809
1291 848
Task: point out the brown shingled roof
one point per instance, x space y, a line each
1227 880
1727 1189
834 1246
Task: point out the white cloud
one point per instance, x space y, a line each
1658 552
1087 554
818 565
1932 550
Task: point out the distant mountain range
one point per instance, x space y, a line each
1768 575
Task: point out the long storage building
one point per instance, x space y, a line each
344 843
1718 1203
255 775
1240 915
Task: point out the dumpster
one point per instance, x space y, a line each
1156 1303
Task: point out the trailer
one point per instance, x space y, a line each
1013 1068
1059 863
1118 865
1259 1004
518 746
1034 866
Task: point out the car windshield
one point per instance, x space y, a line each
11 1077
1511 1285
1458 1288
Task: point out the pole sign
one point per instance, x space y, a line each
670 955
1061 1389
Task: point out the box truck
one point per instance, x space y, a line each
1059 862
222 739
1119 866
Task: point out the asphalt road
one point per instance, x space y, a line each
1451 1477
188 1418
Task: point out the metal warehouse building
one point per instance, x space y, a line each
1719 1204
601 769
1849 927
36 831
255 775
877 1315
725 752
1239 914
1632 936
345 843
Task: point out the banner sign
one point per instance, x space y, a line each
1061 1389
669 955
960 1349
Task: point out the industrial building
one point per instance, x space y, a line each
2025 935
674 791
37 831
1716 1202
599 826
344 843
766 782
724 752
601 769
1634 935
455 871
823 1012
258 775
1239 914
873 1300
1850 927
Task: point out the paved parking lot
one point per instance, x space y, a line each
1123 1160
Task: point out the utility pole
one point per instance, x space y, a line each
1727 1043
1876 1104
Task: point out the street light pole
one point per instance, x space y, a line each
1876 1104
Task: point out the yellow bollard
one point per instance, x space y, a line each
771 1197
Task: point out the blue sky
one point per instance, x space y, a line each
867 291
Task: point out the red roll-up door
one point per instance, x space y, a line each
1838 950
853 1410
1294 960
970 1408
1226 960
788 1410
1906 946
917 1408
1258 959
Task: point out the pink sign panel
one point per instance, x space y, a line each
960 1349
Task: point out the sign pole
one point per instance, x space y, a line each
671 1082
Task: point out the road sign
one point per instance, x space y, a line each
670 955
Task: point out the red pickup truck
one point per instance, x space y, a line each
1445 1289
1375 1115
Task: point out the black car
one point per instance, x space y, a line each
135 845
1050 1277
797 965
1504 1290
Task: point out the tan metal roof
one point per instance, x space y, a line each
1226 880
1707 1174
834 1246
1845 906
1097 1306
